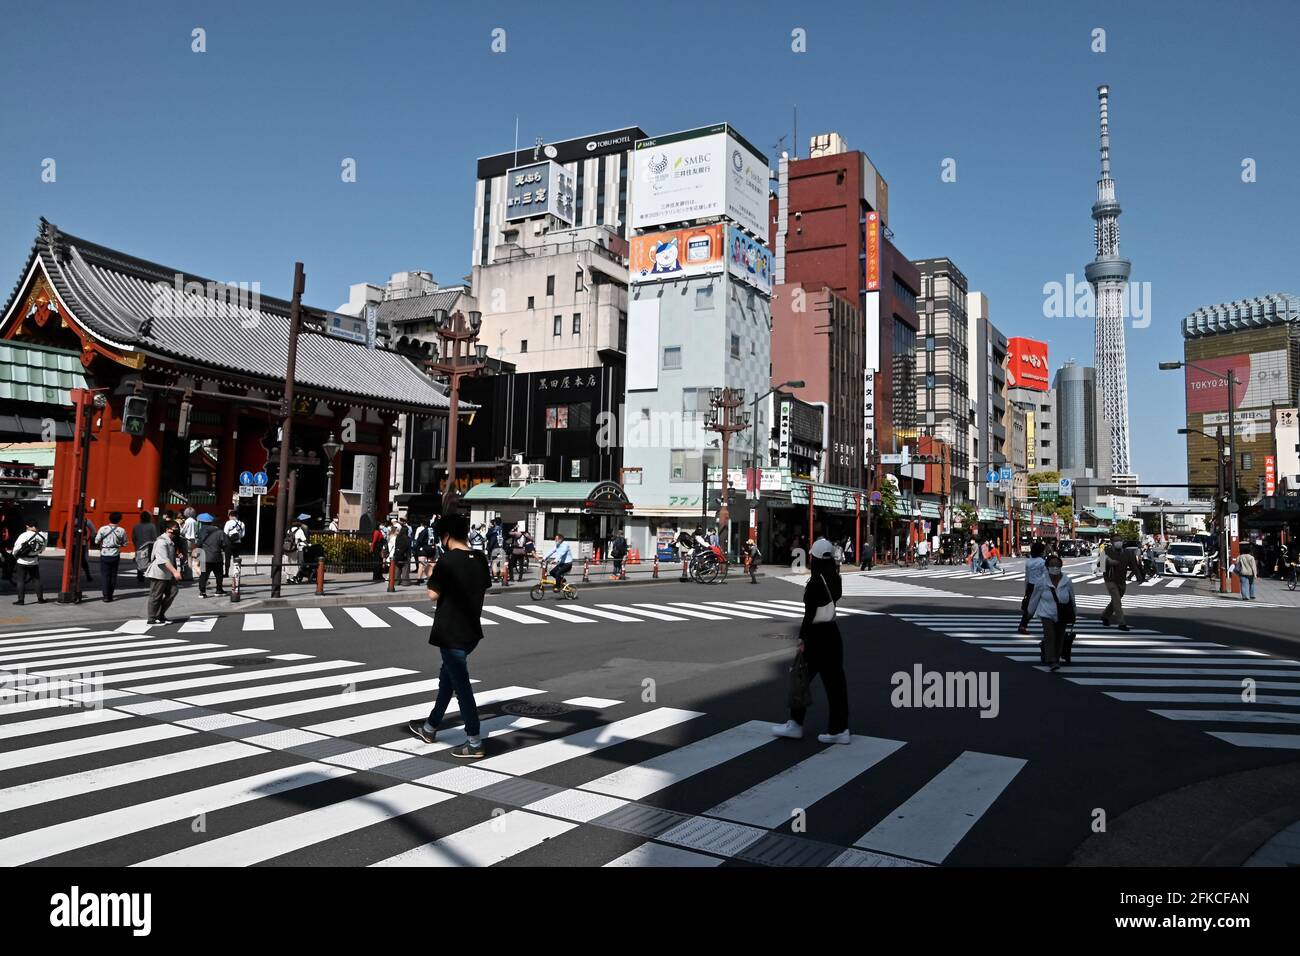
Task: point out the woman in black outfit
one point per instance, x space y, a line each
822 646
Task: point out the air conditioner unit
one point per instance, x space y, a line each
522 474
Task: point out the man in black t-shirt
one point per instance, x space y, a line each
457 584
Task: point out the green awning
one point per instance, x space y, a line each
39 374
605 496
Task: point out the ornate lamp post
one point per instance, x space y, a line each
331 448
453 330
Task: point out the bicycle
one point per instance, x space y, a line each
707 567
538 591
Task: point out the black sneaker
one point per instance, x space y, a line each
468 751
151 621
416 729
1124 627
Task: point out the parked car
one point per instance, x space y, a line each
1187 559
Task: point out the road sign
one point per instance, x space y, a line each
252 491
1005 474
1065 486
258 479
991 477
1047 491
245 477
875 497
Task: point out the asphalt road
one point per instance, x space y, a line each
634 731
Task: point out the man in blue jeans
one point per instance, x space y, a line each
457 584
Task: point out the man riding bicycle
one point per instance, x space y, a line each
562 555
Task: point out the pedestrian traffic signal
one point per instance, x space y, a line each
135 414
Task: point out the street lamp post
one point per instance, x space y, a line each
331 448
724 419
452 330
757 492
1219 506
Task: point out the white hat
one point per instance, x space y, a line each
822 549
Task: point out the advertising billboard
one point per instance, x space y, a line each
1262 380
565 151
697 174
749 260
677 254
873 252
1027 364
539 189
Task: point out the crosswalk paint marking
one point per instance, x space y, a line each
400 715
727 612
1278 741
1277 699
418 618
289 657
510 615
334 701
1173 652
658 855
293 687
304 829
486 843
770 803
177 658
577 805
1094 659
656 613
1177 582
929 824
1199 671
71 640
112 824
562 615
259 622
81 746
1156 683
161 672
731 607
490 728
116 775
31 656
640 780
167 687
138 626
200 625
612 615
178 646
1003 643
552 752
1231 716
364 617
600 703
28 705
8 637
44 725
313 619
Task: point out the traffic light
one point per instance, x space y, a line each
135 414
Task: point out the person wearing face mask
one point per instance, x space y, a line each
822 647
1035 574
1052 603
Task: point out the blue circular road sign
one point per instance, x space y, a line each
245 477
259 478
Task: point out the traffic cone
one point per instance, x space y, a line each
655 572
586 569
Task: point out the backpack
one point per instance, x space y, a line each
31 547
618 549
289 543
236 534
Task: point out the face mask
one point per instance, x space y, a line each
1054 573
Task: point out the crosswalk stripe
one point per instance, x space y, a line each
771 803
364 617
304 829
333 701
313 619
201 625
654 612
547 754
29 705
1199 671
1169 651
162 672
259 622
486 843
748 606
1279 741
137 626
1092 659
177 658
490 728
1006 642
658 855
1277 699
418 618
640 780
64 640
293 687
80 746
1177 582
1156 682
929 824
563 615
510 615
117 775
9 636
44 725
179 646
728 612
86 831
400 715
1231 716
11 661
167 687
611 615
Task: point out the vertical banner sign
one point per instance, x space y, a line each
1270 475
868 413
873 252
372 325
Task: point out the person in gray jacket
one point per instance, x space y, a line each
1052 603
215 548
163 573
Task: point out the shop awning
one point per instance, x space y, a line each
835 497
601 497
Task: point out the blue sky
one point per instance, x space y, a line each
227 163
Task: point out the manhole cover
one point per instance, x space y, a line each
529 709
245 661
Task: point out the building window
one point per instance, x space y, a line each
530 302
735 346
689 464
1045 461
557 417
577 207
673 357
695 403
622 195
929 343
558 324
600 191
1247 461
523 345
550 285
577 281
704 296
1044 443
622 331
568 417
487 222
577 323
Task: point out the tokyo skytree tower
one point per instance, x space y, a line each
1108 275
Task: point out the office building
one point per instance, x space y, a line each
943 358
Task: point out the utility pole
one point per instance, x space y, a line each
452 331
286 428
725 420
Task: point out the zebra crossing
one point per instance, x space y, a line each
112 758
1080 574
1243 697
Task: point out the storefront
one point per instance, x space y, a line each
585 512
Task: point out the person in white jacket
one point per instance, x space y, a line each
1035 574
1052 603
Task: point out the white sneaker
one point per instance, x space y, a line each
843 737
788 729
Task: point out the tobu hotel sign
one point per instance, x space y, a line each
1262 380
1027 364
539 189
700 174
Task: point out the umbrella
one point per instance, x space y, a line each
206 517
304 517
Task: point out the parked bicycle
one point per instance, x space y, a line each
538 591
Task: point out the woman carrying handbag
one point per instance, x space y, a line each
821 651
1052 603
